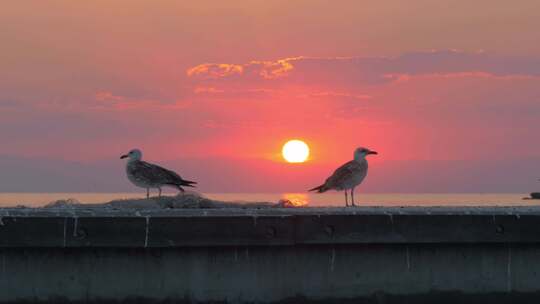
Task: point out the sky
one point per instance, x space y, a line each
448 93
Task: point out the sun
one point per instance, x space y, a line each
295 151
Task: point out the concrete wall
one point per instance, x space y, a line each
328 256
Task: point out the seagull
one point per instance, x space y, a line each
147 175
348 176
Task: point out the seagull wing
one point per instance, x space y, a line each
342 176
154 174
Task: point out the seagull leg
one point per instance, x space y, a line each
352 196
346 199
159 188
147 192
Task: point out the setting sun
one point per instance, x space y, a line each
295 151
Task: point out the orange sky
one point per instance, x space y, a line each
185 81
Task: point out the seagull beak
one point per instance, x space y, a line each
372 152
123 156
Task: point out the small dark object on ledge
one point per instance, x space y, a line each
535 195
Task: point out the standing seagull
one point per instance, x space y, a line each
147 175
348 176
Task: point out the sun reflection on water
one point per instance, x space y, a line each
296 199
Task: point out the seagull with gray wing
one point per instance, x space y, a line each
147 175
348 176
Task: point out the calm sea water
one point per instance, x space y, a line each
309 199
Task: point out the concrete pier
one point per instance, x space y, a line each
270 255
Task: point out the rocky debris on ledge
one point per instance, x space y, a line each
188 200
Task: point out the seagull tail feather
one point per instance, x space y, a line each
188 183
319 189
185 183
181 184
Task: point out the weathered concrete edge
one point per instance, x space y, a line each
264 228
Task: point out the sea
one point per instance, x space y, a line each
298 199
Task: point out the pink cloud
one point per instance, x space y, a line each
263 69
471 74
363 71
214 71
272 69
